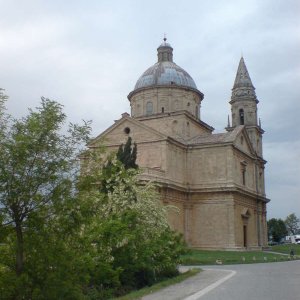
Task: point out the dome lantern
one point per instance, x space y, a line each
165 52
165 72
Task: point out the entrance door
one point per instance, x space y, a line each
245 235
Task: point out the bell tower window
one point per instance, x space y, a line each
242 119
149 108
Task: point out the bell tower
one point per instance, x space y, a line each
244 107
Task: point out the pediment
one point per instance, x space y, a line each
242 142
124 127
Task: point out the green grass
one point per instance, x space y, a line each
286 248
154 288
205 257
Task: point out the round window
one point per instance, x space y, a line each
127 130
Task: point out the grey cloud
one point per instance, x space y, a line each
88 56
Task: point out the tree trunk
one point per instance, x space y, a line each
20 250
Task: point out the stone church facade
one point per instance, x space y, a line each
215 180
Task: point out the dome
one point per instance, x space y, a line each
165 71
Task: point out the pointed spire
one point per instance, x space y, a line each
242 78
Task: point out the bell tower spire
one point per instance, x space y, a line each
242 79
244 106
243 99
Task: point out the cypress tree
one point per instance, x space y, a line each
133 164
128 154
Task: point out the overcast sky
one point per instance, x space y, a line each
88 56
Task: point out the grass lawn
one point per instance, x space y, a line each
154 288
207 257
286 248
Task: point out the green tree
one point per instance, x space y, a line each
134 226
63 237
38 167
292 224
276 229
127 154
3 116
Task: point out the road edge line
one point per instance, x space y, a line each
211 286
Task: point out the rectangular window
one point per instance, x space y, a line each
243 170
149 108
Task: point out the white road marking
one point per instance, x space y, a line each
212 286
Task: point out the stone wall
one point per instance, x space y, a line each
164 100
215 209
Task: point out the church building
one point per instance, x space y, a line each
215 180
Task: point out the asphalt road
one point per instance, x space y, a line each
267 281
274 281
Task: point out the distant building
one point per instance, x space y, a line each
216 180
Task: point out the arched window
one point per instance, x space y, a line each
162 109
149 108
197 111
174 126
242 119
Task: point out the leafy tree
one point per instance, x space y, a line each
134 227
292 224
38 166
127 154
276 229
63 237
4 117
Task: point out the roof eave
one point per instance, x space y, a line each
175 86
